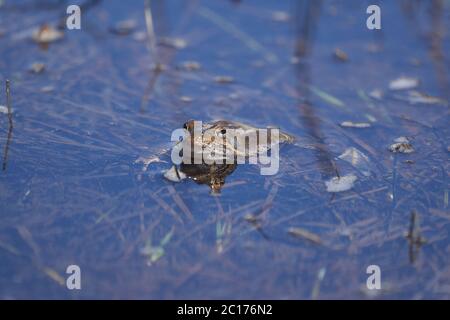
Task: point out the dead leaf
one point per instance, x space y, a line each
340 184
404 83
350 124
46 34
401 145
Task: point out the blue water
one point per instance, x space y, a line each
72 192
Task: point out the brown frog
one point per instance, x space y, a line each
214 137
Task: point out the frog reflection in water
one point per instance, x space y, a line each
213 136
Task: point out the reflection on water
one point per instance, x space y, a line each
72 192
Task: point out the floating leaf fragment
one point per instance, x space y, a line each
224 79
46 34
185 99
147 161
47 89
191 65
37 67
401 145
4 110
176 43
404 83
340 184
350 124
340 55
376 94
304 234
124 27
416 97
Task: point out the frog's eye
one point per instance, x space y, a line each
223 131
188 125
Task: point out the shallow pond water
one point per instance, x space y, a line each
72 192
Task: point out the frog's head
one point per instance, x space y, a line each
209 133
189 126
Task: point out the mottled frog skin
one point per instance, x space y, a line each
214 136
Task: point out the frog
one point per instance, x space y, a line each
213 170
213 137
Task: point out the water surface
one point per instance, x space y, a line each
72 192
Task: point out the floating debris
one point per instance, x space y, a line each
340 55
357 159
176 43
4 110
280 16
404 83
174 175
124 27
47 89
37 67
186 99
350 124
340 184
401 145
224 79
147 161
191 65
47 34
376 94
304 234
416 97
